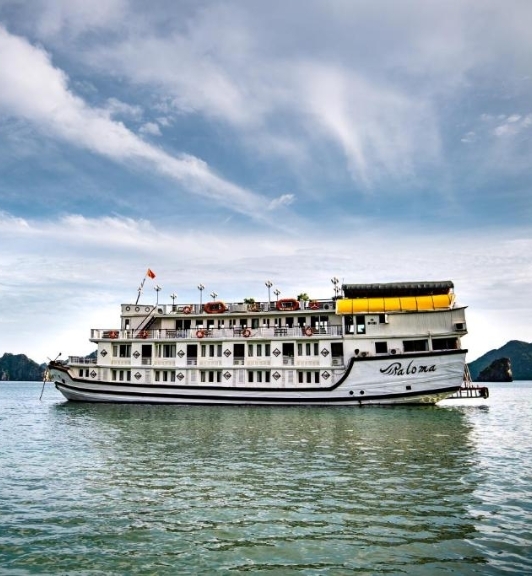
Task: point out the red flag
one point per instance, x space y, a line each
150 274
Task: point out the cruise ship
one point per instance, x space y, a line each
369 344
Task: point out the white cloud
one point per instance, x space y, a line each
150 128
284 200
512 125
76 16
26 71
117 108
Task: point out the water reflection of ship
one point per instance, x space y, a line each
388 478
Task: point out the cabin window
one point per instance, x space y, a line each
444 344
360 322
308 377
255 323
210 376
267 348
381 347
122 350
337 349
259 349
250 350
168 350
383 318
349 325
288 349
415 345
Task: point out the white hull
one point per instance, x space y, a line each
423 378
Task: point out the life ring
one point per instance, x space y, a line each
200 333
143 334
187 309
246 332
113 334
314 305
309 331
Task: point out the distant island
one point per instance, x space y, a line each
20 368
519 357
514 358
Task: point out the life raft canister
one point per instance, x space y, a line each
287 304
215 307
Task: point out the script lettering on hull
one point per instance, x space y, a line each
398 369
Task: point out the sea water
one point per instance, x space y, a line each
91 489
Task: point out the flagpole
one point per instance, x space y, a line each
149 273
140 289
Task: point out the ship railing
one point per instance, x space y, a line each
263 361
81 360
163 362
218 333
313 306
120 361
307 362
209 363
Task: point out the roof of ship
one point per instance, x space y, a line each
397 289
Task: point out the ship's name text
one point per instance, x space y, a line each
397 369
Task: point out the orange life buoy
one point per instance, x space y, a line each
246 332
187 309
113 334
143 334
314 305
308 331
200 333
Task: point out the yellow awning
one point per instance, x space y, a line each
399 304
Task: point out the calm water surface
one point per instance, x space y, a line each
111 489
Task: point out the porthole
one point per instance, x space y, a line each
362 392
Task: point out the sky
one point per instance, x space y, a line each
232 142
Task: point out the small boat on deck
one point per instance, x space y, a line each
371 344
